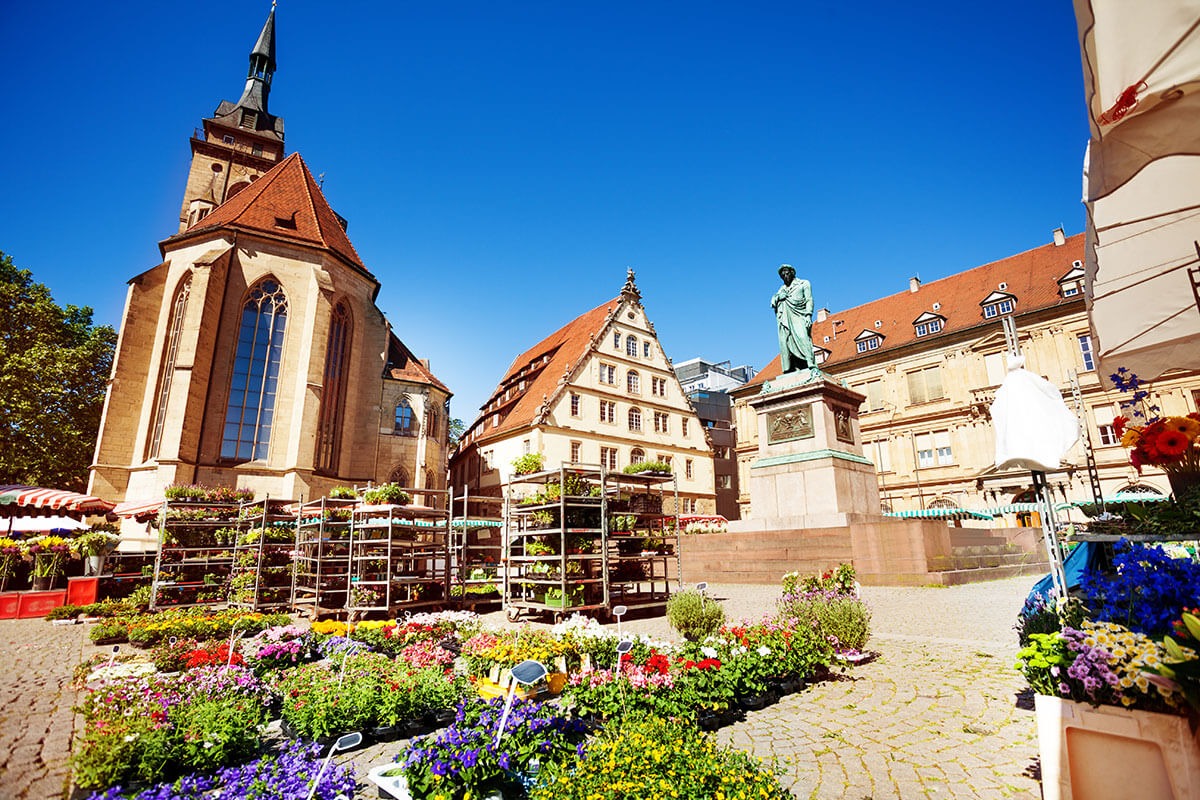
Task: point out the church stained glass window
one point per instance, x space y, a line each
255 382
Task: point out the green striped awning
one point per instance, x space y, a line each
940 513
1012 508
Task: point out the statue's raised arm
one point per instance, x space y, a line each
793 306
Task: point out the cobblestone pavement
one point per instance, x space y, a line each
934 715
36 698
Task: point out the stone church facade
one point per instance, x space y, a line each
254 355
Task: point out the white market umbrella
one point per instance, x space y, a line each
1141 67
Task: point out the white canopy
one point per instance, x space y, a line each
1141 68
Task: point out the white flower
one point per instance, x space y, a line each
763 650
709 652
130 737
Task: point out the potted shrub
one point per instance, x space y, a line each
693 615
528 464
386 494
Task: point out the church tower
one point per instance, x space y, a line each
240 141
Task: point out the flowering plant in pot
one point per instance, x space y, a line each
11 552
1171 443
386 494
49 555
463 760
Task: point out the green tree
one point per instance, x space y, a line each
54 367
457 429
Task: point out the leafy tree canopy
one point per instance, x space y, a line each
54 368
457 429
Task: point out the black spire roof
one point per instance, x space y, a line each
250 112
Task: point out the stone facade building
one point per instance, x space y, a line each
599 390
254 355
929 361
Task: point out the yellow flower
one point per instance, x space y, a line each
1131 437
1185 425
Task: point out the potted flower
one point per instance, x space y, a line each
49 555
1170 443
94 546
386 494
528 464
10 555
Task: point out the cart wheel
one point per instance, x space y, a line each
513 613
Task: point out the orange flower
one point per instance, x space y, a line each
1188 427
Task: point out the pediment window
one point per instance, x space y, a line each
997 304
868 340
928 323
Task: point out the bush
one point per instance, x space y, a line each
694 615
651 758
845 622
528 463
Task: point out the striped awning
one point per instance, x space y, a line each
940 513
476 523
1012 508
36 498
141 510
1128 497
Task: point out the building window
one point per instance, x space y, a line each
1085 350
646 349
883 456
658 387
633 383
608 411
1104 425
689 505
576 449
227 139
616 340
525 447
993 310
404 425
635 419
933 449
488 457
926 328
870 343
399 477
251 407
167 370
637 455
687 469
631 348
333 389
925 385
249 118
1070 289
724 481
574 404
683 426
608 374
662 422
874 392
256 149
608 458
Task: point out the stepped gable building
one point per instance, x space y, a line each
254 356
599 390
930 359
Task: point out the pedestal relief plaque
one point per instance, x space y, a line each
841 425
789 424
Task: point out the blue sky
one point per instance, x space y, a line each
502 164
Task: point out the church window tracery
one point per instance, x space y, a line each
253 387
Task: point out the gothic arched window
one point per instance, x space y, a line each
333 395
405 422
399 476
255 380
166 372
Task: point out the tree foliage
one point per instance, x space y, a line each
457 429
54 367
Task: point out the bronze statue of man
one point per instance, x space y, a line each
793 306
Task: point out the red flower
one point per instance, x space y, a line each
1171 443
1119 423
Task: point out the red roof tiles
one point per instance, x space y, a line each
285 202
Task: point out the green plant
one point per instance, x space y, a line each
343 493
845 622
534 547
647 758
541 518
840 580
693 615
647 466
317 702
96 543
386 494
528 463
64 612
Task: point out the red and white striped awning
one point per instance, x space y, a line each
140 510
28 498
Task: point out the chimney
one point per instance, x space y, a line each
822 314
914 283
1060 237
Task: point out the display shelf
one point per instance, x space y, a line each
321 566
194 558
261 575
399 556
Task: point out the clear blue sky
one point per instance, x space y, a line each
502 164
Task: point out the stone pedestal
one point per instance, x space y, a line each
810 471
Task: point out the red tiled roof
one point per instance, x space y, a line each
285 202
1031 277
541 367
404 366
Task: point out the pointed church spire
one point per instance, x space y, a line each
262 68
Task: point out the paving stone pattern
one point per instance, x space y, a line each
934 715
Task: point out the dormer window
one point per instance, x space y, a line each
998 304
1071 284
249 119
820 354
868 340
928 323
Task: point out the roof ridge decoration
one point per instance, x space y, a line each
630 290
